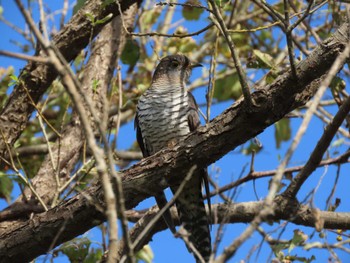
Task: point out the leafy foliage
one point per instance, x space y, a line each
227 87
6 186
78 250
282 131
131 52
190 11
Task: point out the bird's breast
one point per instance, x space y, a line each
163 118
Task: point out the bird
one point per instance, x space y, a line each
166 113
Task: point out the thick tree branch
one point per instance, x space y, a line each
243 213
70 215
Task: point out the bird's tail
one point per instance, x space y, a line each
193 216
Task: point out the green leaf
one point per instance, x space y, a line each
182 45
298 239
104 20
187 45
337 84
107 2
95 255
79 61
277 250
192 12
17 144
95 84
282 131
227 88
263 60
149 17
221 2
141 88
339 142
145 254
78 5
271 76
131 52
90 17
6 186
14 77
313 244
252 147
76 250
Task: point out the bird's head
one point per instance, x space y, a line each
174 69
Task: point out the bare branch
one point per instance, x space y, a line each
24 57
222 27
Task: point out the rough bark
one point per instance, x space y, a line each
26 240
77 215
241 213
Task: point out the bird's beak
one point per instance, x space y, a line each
195 65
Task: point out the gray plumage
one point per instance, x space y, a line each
166 113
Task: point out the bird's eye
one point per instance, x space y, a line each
174 64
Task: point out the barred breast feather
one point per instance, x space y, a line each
163 118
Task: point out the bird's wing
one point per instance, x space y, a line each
139 137
193 116
194 122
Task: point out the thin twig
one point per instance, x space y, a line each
184 5
272 12
242 78
43 20
119 105
289 40
24 178
151 34
230 250
319 150
301 19
330 131
64 12
278 18
255 175
40 113
322 113
88 165
212 75
331 195
24 57
278 22
26 35
54 166
217 189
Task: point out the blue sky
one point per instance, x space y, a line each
169 249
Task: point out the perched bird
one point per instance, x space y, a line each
165 114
